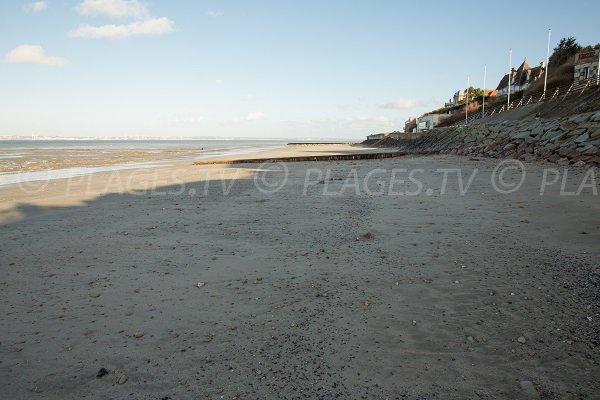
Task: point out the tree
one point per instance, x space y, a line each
474 94
567 48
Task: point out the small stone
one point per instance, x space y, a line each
122 379
200 284
414 322
366 236
101 372
207 338
138 334
522 340
529 390
470 339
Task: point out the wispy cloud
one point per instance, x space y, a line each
114 8
32 54
144 23
215 14
36 6
401 104
255 116
152 26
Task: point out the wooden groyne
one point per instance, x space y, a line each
319 143
332 157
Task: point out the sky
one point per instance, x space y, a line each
258 69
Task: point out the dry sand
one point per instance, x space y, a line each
306 292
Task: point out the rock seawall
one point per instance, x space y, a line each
573 140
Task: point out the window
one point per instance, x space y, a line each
586 72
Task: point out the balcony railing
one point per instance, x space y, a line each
576 88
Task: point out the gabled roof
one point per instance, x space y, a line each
521 75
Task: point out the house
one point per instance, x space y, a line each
457 98
520 78
586 65
429 121
462 95
376 136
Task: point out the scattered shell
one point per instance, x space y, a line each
138 334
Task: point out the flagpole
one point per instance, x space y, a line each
598 68
509 77
467 104
547 62
484 76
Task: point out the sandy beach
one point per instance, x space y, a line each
303 280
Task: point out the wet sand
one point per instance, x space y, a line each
45 159
325 290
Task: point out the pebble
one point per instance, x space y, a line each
138 335
101 372
200 284
529 390
122 379
522 340
414 322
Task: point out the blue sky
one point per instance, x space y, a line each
304 69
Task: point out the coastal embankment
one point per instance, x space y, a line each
561 132
573 140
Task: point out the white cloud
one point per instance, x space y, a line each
401 104
255 116
214 14
32 54
152 26
114 8
37 6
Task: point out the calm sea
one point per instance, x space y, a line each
17 153
139 144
